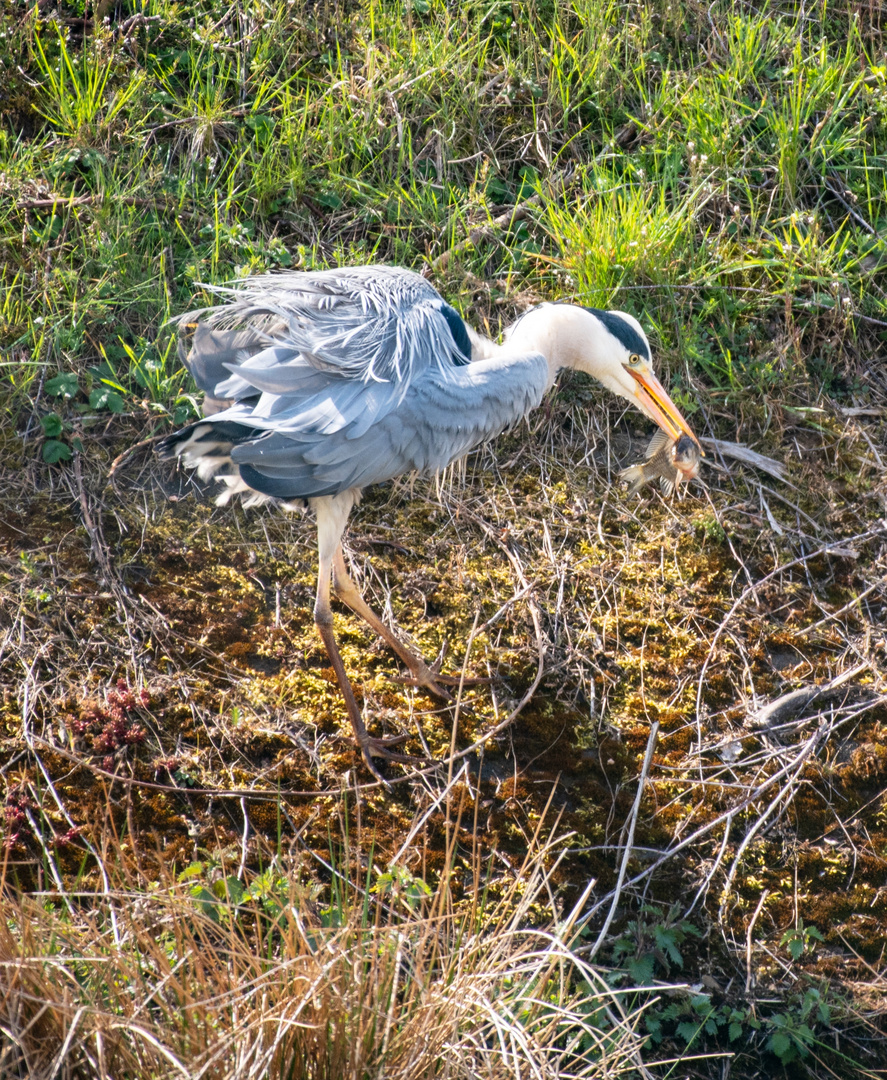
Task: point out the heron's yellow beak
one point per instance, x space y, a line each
659 406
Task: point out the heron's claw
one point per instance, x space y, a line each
427 679
381 748
437 684
468 680
432 679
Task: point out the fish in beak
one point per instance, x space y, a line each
655 402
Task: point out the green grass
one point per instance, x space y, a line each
718 158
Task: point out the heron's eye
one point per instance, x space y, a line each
634 360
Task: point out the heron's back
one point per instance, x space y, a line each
334 383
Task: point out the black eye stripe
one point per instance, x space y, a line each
623 331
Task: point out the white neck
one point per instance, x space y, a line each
568 337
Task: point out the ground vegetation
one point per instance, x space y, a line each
655 844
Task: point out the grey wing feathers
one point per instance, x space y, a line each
343 378
368 323
435 423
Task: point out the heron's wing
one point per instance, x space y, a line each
283 333
438 420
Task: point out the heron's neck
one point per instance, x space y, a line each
567 336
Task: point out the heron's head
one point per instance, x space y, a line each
611 346
618 355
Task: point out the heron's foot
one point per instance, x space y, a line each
436 683
459 680
371 747
432 678
382 747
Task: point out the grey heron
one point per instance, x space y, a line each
320 383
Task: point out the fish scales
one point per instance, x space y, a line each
671 462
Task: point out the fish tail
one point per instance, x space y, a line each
633 475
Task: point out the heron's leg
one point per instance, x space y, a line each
423 674
330 524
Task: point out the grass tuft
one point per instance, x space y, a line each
207 972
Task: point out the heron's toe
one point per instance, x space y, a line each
468 680
382 748
435 682
428 680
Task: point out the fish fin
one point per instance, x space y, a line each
660 439
634 476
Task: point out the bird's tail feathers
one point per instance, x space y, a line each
206 447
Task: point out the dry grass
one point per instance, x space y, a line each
209 975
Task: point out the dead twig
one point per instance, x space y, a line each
136 20
790 769
629 840
785 792
879 530
68 202
749 974
880 583
857 217
121 459
789 705
742 453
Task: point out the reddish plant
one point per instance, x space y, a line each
15 808
110 726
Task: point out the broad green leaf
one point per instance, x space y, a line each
54 451
52 425
781 1045
206 901
103 397
688 1031
235 889
64 384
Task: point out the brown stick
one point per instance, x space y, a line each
93 200
127 454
